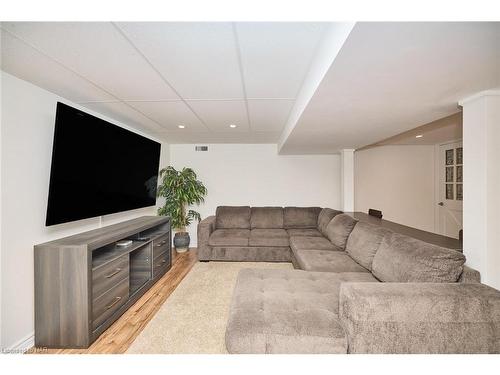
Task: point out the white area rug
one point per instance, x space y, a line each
193 318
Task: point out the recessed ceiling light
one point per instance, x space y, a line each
419 136
181 126
232 126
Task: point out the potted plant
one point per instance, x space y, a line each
180 189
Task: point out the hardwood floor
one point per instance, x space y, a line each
117 338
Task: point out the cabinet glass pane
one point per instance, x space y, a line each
459 174
449 157
449 191
459 192
459 155
449 174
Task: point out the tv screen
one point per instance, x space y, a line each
98 168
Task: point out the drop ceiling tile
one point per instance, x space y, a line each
199 59
21 60
171 114
121 112
276 56
219 114
269 115
99 52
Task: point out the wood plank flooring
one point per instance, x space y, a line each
117 338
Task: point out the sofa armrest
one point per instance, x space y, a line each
205 229
469 275
420 317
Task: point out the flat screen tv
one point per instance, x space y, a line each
98 168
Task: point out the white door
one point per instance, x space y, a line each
450 187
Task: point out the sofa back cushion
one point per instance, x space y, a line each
339 229
266 218
364 241
300 217
404 259
325 216
232 217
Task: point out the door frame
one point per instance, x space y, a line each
437 187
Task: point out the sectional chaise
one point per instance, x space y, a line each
357 287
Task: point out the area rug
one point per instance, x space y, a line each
193 318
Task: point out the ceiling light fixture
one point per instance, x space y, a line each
419 136
232 126
181 126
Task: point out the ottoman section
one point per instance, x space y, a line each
287 311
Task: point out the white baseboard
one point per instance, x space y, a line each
22 345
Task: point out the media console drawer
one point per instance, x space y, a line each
161 244
161 263
106 304
108 275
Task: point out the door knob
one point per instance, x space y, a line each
440 204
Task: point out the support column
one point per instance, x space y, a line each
347 179
481 205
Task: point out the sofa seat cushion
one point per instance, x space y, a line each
286 311
268 237
339 229
229 237
251 253
403 259
364 241
232 217
327 261
304 232
266 217
311 243
301 217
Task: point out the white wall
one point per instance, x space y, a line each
255 175
27 120
399 181
481 135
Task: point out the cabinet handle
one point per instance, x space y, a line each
159 264
161 243
113 273
117 299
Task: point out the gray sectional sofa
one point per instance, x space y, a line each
357 288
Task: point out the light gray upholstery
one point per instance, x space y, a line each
266 217
232 217
229 237
205 229
311 243
339 229
251 254
404 259
325 216
304 232
469 275
327 261
420 317
296 311
268 237
287 311
301 217
364 241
